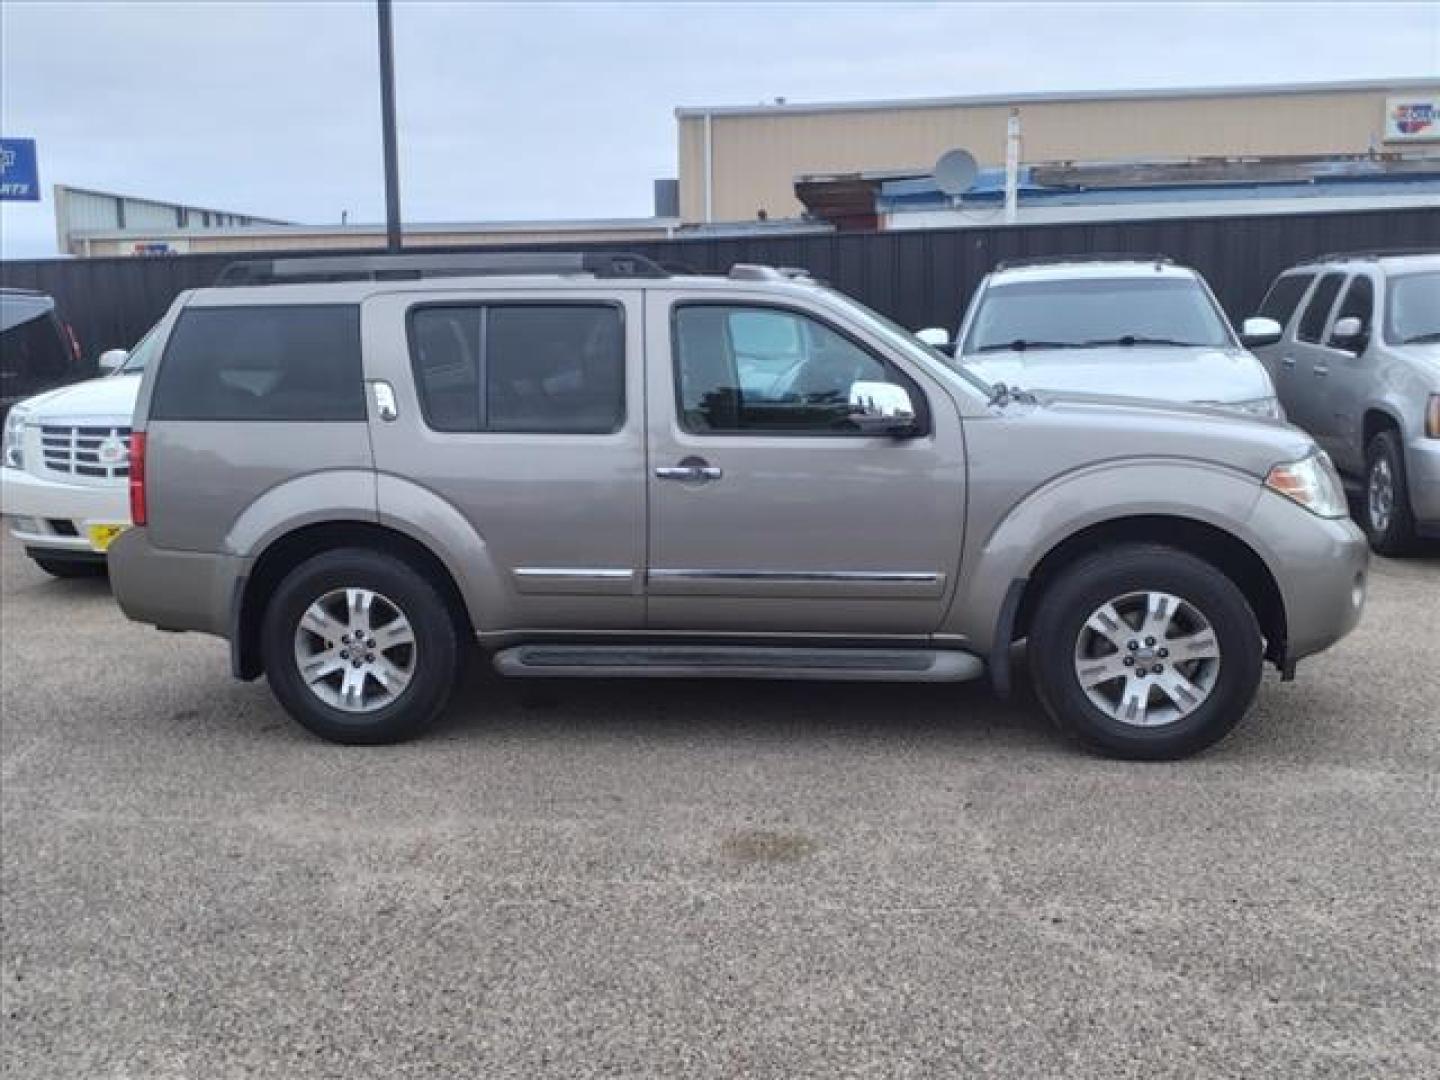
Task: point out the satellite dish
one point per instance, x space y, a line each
955 172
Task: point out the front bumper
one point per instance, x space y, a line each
46 515
1422 471
1322 568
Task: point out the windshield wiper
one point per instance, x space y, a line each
1137 339
1021 344
1002 395
1433 335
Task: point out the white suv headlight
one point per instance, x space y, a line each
12 453
1313 483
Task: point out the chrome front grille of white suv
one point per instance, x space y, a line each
98 452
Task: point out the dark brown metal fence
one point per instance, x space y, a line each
920 278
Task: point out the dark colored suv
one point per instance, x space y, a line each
37 350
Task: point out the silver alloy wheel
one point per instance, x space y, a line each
1380 493
1147 658
355 650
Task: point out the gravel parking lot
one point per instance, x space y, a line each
707 879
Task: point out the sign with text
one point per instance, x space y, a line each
1412 119
19 171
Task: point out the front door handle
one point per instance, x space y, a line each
1320 371
1288 361
692 469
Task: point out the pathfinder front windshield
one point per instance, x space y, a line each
1082 313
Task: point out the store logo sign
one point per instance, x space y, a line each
1412 119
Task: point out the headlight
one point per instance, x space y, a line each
1313 483
1265 406
13 452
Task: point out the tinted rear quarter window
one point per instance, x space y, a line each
1284 297
35 352
292 362
1312 322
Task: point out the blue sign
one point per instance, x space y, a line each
19 171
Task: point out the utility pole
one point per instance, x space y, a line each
1012 167
387 122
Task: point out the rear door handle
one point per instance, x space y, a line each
1288 361
1320 371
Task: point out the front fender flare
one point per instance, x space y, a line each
1014 544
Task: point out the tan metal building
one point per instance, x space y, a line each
735 161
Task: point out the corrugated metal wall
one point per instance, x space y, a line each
920 278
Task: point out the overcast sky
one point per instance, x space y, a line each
538 111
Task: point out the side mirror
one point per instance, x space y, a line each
112 360
934 336
1349 333
1260 331
881 408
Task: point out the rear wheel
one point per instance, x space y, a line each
360 647
1145 652
70 568
1388 521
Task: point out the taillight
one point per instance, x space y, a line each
137 477
1432 417
74 341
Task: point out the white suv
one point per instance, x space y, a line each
1120 325
64 484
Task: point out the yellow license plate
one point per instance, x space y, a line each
102 536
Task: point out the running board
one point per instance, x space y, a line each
737 662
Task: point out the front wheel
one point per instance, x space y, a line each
1145 652
360 648
1388 521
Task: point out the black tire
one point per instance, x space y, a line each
436 657
71 568
1083 588
1395 534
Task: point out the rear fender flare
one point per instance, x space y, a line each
419 513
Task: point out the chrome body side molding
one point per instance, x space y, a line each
576 581
799 584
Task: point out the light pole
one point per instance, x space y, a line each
387 123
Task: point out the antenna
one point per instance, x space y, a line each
955 172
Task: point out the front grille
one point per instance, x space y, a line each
102 453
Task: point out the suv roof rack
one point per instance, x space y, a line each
408 267
759 272
1374 253
1088 257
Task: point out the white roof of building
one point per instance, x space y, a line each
1156 93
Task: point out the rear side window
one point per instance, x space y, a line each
1312 323
552 368
263 363
1284 297
36 352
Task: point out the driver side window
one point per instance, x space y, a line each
758 369
1359 303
